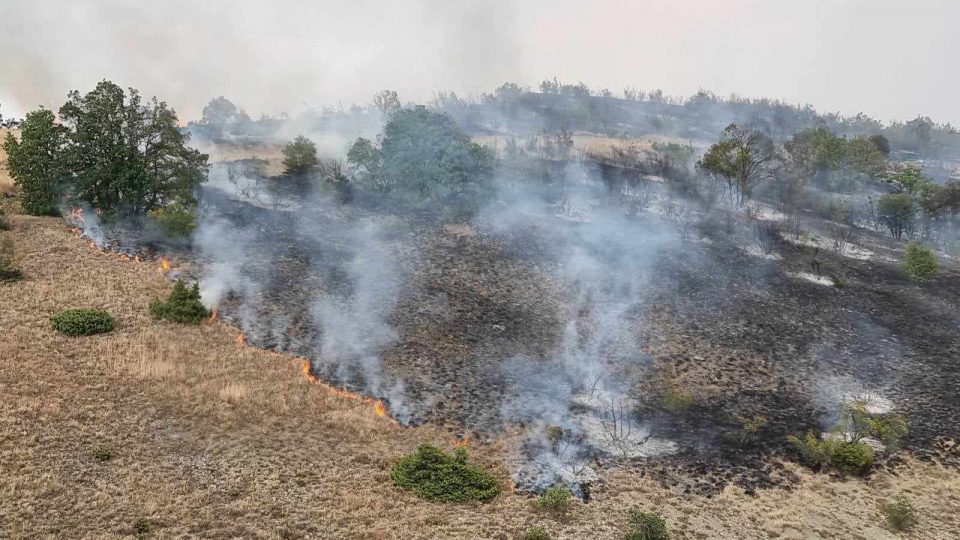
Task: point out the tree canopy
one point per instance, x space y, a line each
742 158
126 155
299 156
424 154
36 162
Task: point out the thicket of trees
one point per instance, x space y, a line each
422 155
109 149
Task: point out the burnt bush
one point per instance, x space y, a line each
646 526
766 235
438 476
82 322
182 306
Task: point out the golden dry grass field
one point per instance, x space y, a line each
209 438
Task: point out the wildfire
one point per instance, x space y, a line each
379 407
164 264
213 314
464 442
241 339
76 213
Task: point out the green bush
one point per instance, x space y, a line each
176 219
103 453
555 499
537 533
919 262
851 457
141 527
438 476
82 322
899 514
183 305
646 526
814 451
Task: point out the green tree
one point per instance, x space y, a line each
881 143
742 158
896 211
913 181
921 128
220 111
36 162
126 155
423 154
300 156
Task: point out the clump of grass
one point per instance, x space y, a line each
537 533
182 306
103 453
82 322
438 476
646 526
899 514
838 282
556 499
9 272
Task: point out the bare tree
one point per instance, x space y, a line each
386 101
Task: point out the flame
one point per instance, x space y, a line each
379 407
464 442
76 213
241 339
213 314
164 264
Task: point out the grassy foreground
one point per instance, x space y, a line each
182 428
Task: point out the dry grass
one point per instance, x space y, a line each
213 439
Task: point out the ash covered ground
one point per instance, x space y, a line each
566 325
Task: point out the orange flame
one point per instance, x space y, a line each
164 264
76 213
213 314
241 339
464 442
379 407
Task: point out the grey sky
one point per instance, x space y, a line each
890 59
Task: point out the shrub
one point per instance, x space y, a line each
899 514
537 533
176 219
851 457
857 422
4 224
183 305
555 499
82 322
677 400
646 526
814 451
8 270
141 527
103 454
438 476
919 262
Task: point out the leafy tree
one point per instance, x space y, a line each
36 162
128 156
919 262
896 211
742 158
921 128
300 156
423 154
221 111
913 181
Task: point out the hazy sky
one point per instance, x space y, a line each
892 59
